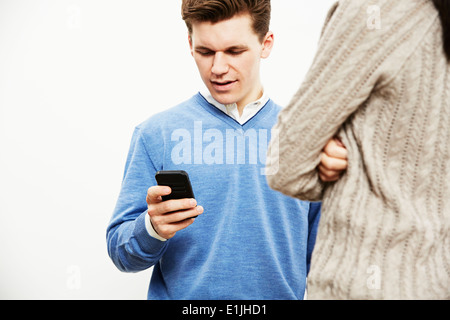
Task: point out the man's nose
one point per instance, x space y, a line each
220 64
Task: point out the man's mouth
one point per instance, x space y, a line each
224 85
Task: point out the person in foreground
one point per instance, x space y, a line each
381 82
248 241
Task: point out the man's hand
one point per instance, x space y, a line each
333 161
169 217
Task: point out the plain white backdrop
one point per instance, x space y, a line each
76 76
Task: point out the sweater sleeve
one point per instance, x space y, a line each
362 48
130 246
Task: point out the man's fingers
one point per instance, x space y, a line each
165 207
179 216
168 225
169 217
155 193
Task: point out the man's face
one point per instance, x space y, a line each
228 55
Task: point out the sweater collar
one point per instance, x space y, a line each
250 110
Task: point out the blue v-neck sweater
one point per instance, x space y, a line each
250 243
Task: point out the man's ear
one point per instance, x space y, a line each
268 42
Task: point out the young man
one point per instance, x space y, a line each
248 241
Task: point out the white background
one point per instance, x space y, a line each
75 78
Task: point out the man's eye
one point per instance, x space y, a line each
236 53
205 53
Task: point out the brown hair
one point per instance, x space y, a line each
219 10
443 6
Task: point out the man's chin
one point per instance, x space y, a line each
224 98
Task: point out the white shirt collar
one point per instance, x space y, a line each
250 110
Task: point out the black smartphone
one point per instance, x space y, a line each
178 181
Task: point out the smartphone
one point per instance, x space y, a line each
178 181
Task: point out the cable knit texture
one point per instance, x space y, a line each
385 90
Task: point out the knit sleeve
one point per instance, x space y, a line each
362 48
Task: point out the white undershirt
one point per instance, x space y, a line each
232 111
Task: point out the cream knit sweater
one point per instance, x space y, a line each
381 82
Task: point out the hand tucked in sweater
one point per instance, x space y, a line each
333 161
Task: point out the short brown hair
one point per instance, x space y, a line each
219 10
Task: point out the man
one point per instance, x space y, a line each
238 239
